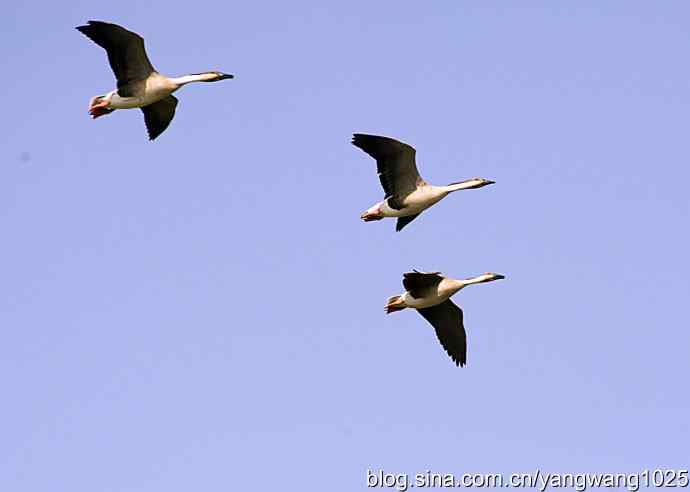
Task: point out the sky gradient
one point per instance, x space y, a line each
205 312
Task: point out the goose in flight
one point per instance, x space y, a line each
139 85
406 194
429 294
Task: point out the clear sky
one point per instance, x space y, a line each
205 312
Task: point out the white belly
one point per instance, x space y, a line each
424 197
414 203
445 289
422 303
118 102
156 89
388 211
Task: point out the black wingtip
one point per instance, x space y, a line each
359 139
458 362
88 29
89 24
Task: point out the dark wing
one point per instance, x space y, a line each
403 221
446 318
159 115
418 284
125 49
395 164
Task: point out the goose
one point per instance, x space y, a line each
406 194
139 85
429 293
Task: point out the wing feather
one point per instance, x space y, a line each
447 320
421 284
395 163
158 115
126 52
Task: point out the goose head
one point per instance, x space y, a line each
484 277
490 277
212 76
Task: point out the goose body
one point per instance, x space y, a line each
139 85
429 293
406 194
423 197
155 88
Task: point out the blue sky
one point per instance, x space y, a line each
205 312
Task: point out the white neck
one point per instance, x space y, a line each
463 185
477 280
188 79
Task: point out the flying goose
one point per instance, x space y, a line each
429 294
406 194
139 85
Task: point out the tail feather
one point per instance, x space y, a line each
394 304
96 112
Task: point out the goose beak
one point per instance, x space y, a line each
224 76
489 182
498 276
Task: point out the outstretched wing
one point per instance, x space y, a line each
403 221
395 162
421 284
446 318
125 49
158 115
